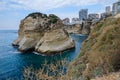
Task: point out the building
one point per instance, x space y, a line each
108 9
116 7
76 21
103 15
83 13
66 21
93 16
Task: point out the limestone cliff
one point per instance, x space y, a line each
100 53
54 41
83 28
42 33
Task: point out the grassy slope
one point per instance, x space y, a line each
100 53
112 76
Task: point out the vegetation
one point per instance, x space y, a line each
112 76
100 53
53 71
53 18
36 14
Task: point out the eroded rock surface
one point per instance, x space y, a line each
42 33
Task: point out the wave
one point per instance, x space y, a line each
39 54
15 52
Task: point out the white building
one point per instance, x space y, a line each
93 16
83 13
108 9
116 7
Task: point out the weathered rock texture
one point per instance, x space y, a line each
83 28
42 33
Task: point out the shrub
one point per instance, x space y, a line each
53 71
53 19
36 14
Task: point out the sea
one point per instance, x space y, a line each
13 62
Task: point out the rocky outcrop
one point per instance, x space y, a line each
117 15
100 53
42 33
54 41
83 28
75 29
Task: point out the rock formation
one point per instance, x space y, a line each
42 33
83 28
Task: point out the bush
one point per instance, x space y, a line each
53 71
53 19
36 14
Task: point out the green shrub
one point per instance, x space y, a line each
53 19
36 14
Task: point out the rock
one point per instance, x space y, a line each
42 33
117 16
57 43
86 28
75 29
78 28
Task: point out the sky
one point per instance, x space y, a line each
13 11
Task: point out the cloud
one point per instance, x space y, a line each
43 5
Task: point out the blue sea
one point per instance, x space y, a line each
12 62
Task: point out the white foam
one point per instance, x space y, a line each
15 52
39 54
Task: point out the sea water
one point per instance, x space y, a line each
12 62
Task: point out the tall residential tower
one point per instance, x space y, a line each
116 7
83 13
108 9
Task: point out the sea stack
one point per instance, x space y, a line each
43 34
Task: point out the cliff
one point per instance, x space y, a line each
79 28
100 53
42 33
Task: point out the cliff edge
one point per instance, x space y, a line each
100 53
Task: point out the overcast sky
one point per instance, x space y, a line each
12 11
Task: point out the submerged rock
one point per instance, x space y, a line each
42 33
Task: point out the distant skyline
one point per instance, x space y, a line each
12 11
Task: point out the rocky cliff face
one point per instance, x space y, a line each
100 53
78 28
42 33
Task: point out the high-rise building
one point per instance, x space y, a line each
83 13
108 9
93 16
66 21
116 7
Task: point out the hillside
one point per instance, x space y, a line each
100 53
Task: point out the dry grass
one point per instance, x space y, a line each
100 53
112 76
53 71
